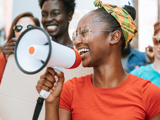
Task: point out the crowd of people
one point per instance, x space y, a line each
125 83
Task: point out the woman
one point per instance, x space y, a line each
56 15
152 71
19 24
109 93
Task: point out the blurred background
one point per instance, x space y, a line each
148 12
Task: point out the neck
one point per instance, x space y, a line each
63 39
156 65
109 75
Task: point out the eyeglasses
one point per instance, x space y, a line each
84 33
18 28
156 40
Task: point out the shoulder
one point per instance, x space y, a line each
138 81
77 82
147 88
137 52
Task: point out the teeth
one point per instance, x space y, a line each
83 50
51 27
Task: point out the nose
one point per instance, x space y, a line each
77 40
49 18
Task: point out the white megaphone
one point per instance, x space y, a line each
34 50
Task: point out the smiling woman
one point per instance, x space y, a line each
109 93
56 15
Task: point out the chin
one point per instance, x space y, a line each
86 64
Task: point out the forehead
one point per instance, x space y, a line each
25 20
92 20
53 4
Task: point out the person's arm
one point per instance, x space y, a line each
48 82
156 117
52 111
151 101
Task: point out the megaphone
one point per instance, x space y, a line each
34 50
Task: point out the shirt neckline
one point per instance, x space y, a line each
105 90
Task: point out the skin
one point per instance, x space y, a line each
100 59
149 52
156 51
54 14
9 47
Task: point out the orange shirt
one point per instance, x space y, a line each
2 65
135 99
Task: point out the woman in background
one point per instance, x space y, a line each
152 71
19 24
56 16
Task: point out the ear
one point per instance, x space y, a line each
115 37
70 14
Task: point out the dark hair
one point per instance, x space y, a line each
156 27
26 14
105 16
113 23
131 10
69 5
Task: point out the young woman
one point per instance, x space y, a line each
152 71
19 24
56 15
109 93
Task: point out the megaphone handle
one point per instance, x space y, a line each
44 94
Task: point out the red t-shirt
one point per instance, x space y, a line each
2 65
135 99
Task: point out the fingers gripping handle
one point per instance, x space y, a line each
44 94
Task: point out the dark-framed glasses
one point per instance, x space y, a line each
18 28
84 33
156 40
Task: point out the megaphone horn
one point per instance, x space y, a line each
34 50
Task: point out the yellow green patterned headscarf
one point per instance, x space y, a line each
126 22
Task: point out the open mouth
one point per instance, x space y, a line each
51 28
83 51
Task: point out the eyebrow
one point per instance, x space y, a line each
52 10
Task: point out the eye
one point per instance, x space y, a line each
29 26
44 14
18 28
84 32
55 13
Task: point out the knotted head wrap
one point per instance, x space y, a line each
126 22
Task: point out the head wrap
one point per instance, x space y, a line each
126 22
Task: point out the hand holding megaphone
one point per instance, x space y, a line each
34 50
48 82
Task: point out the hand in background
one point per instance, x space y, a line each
8 48
51 81
150 53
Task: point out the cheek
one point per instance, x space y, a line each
17 34
61 19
